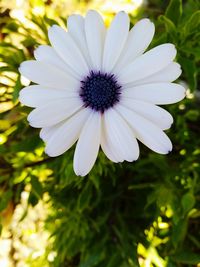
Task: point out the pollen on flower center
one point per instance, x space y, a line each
100 91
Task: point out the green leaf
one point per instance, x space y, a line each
12 26
4 199
84 198
179 231
174 11
95 180
27 144
29 42
16 89
32 199
50 21
36 187
93 260
192 115
164 195
190 71
114 260
188 202
169 25
187 257
193 23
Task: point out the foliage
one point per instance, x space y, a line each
120 214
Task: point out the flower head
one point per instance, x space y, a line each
97 86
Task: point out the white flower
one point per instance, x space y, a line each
96 86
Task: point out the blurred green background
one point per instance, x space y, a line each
145 213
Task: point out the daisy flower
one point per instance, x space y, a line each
96 86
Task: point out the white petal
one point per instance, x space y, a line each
155 114
168 74
95 35
65 135
116 37
139 38
54 112
76 28
156 93
118 138
47 75
108 149
147 64
47 132
67 49
48 55
37 95
88 145
147 132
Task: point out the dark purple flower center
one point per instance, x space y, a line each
100 91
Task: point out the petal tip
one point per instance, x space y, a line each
53 28
41 135
147 21
36 52
122 12
171 49
79 173
183 92
170 150
21 68
20 97
122 15
31 122
92 12
50 153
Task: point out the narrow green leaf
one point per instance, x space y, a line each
32 199
192 115
114 260
179 232
174 11
187 257
84 198
193 23
28 144
93 260
188 202
190 71
169 25
16 89
36 187
5 198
